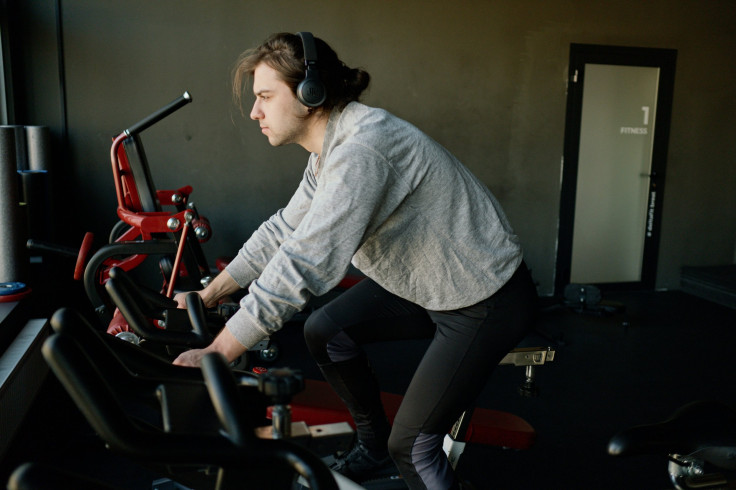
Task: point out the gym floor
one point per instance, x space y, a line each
664 350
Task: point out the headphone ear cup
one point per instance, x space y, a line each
311 91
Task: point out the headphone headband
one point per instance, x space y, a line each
310 49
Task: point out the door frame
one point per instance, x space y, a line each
580 54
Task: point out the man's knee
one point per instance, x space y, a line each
318 330
327 341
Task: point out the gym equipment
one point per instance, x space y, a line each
39 148
13 291
318 404
182 420
145 228
588 299
140 306
11 262
140 209
155 318
699 441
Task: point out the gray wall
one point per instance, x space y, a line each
485 78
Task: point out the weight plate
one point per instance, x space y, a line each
8 288
10 298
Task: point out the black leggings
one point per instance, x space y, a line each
467 345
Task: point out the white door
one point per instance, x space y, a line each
614 166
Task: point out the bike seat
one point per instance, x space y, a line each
705 427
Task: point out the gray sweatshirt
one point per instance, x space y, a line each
395 203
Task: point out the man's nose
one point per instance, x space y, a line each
256 112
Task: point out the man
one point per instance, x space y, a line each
440 258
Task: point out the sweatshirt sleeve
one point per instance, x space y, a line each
352 185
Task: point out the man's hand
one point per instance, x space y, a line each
225 343
190 358
181 300
219 288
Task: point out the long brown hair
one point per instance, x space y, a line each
284 53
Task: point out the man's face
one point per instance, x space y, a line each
276 109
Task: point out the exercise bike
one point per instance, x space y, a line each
145 227
698 440
318 405
204 428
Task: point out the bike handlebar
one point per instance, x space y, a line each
152 119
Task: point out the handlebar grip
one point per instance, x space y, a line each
41 246
149 121
198 317
225 398
83 255
147 299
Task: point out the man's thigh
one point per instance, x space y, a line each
368 313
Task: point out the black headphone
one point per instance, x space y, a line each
310 91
